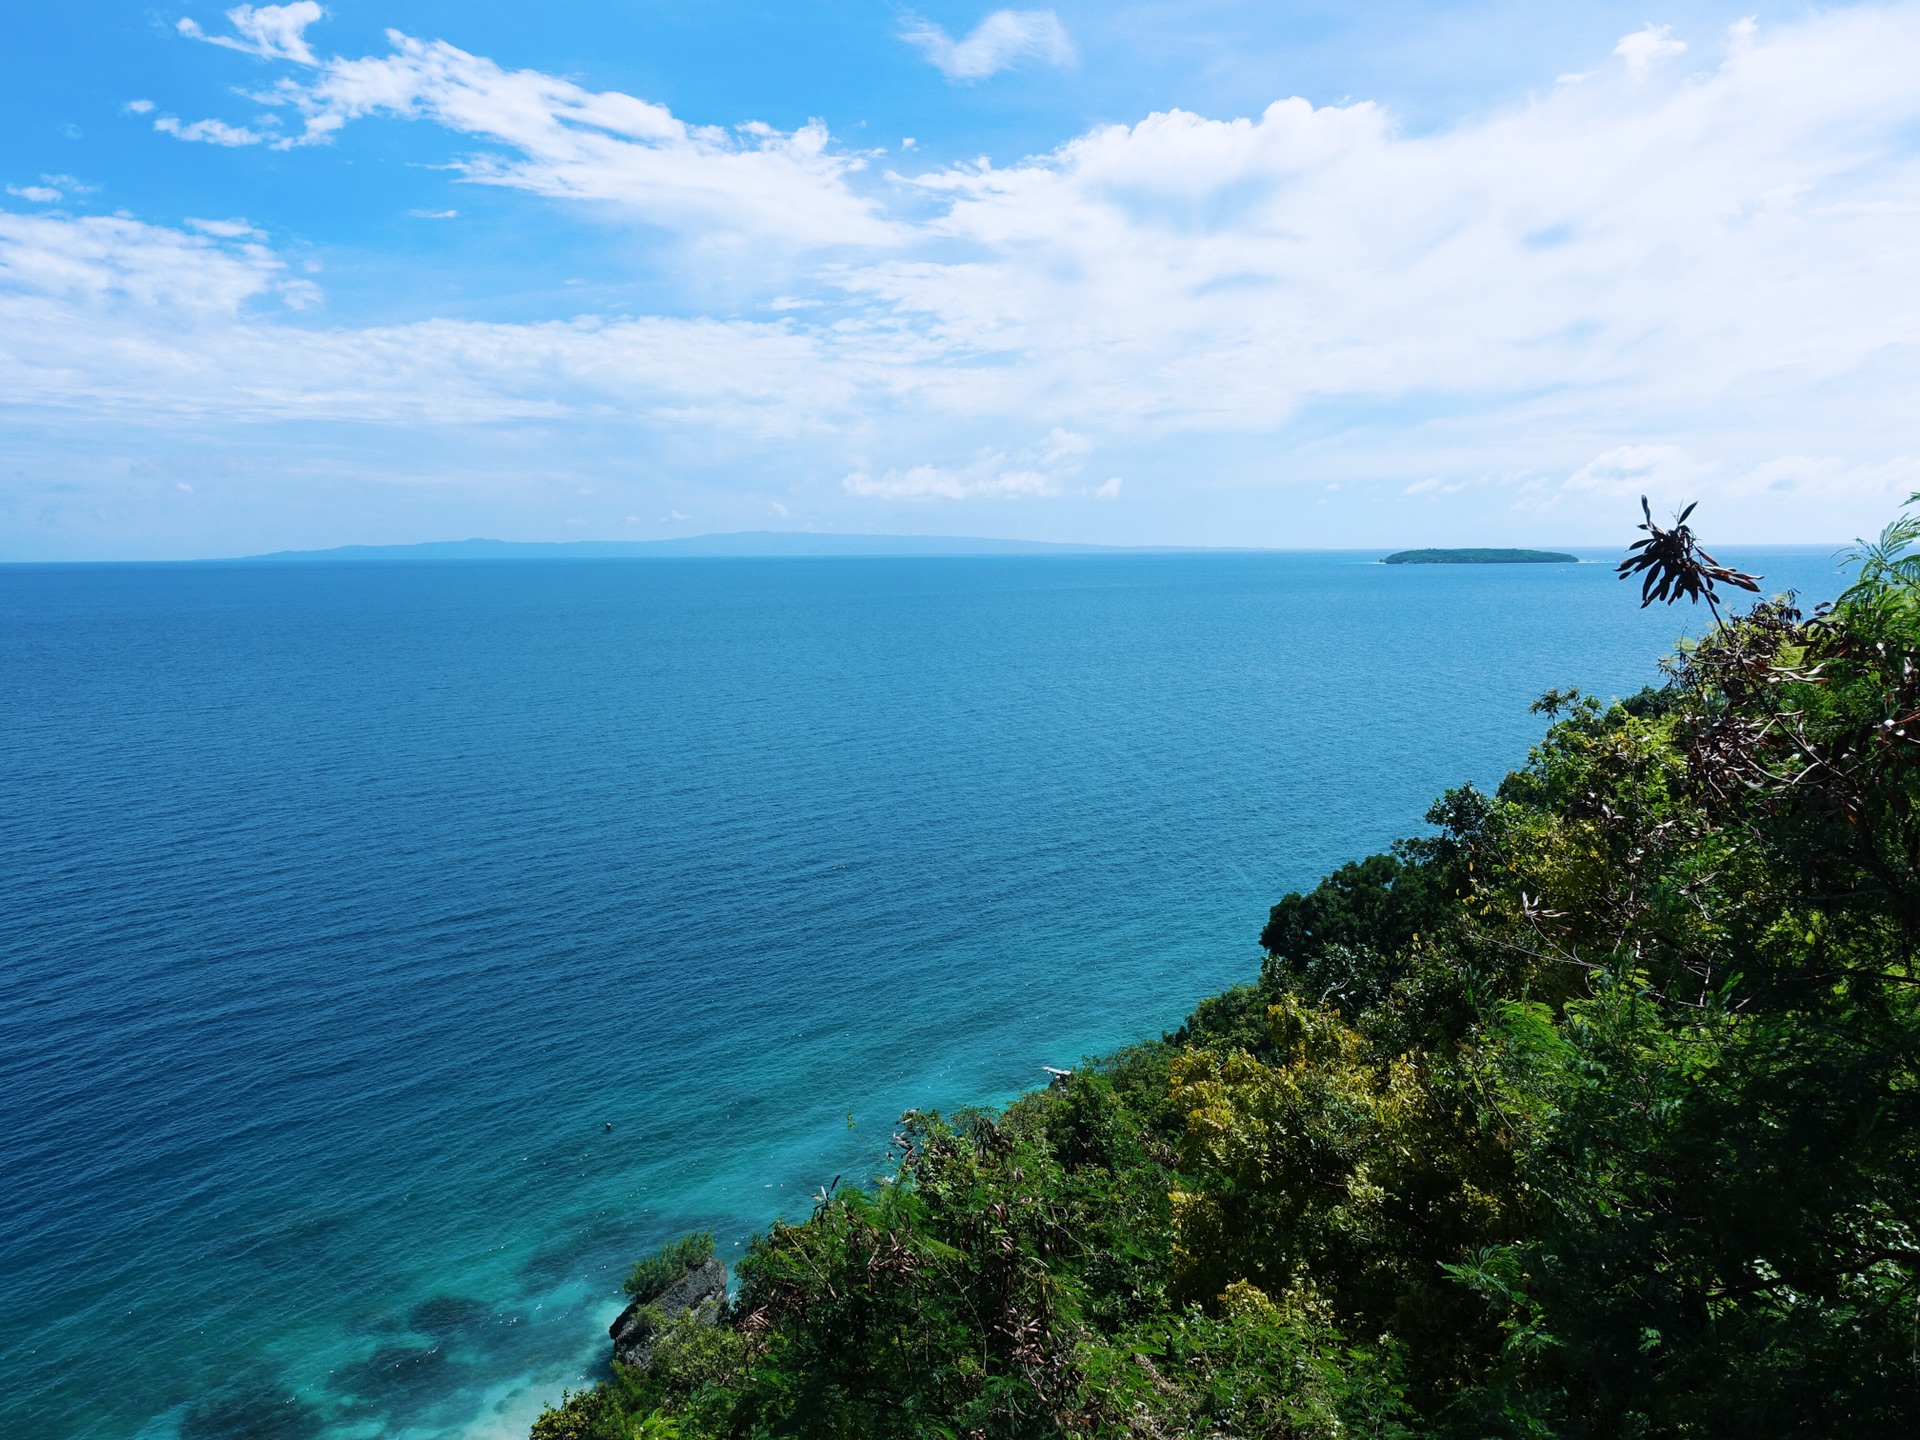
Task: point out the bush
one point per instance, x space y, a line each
652 1276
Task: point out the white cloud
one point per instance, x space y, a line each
139 107
123 273
1824 480
569 143
932 482
300 295
1108 491
1704 282
273 32
1610 256
1644 47
1036 470
225 229
1003 39
39 194
208 132
1629 470
135 319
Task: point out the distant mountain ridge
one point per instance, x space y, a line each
763 543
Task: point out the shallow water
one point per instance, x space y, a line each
343 908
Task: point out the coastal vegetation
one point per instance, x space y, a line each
652 1274
1592 1112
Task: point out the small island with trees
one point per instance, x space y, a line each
1480 557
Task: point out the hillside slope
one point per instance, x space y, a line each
1595 1112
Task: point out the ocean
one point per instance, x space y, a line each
392 952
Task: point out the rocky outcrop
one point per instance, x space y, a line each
701 1293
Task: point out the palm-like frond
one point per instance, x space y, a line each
1884 563
1673 565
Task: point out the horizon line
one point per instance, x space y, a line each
793 544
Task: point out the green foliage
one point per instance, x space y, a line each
589 1415
1883 568
600 1414
1595 1113
651 1276
1337 940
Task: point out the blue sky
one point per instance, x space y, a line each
1206 273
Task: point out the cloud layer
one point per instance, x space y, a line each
272 32
1001 41
1700 279
555 138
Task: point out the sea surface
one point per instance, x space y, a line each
392 952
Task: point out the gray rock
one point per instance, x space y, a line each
701 1292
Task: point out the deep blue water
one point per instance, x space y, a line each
343 907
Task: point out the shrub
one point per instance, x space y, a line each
652 1276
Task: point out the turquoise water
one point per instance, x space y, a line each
344 908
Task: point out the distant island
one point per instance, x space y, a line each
1481 557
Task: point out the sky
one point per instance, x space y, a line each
1209 273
